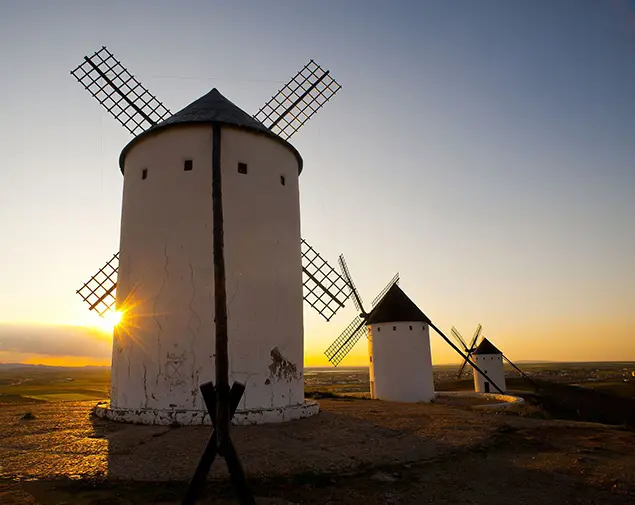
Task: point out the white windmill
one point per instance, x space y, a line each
162 278
398 343
398 347
488 358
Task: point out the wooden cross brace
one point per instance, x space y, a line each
236 473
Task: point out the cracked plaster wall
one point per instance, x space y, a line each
401 362
165 347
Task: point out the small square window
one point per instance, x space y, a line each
282 180
378 328
410 328
394 328
188 165
242 168
144 173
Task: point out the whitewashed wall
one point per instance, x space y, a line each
165 347
401 362
492 365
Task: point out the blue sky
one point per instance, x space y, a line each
484 150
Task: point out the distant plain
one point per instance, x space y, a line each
33 383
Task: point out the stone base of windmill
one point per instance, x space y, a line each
172 417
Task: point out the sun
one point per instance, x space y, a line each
110 320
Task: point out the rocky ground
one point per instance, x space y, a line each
356 451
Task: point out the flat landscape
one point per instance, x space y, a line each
572 442
32 384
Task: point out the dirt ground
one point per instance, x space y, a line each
353 452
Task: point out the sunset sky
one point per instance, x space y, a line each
485 150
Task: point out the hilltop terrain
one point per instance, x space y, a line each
355 451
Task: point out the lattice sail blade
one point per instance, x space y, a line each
394 280
324 288
477 334
100 290
119 92
338 350
352 289
457 336
298 100
462 368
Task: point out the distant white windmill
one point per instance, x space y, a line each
488 358
163 277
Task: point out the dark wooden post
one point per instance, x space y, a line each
220 297
220 403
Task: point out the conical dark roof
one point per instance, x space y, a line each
486 347
396 307
212 108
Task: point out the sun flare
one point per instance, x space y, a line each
110 320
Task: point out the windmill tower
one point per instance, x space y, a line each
399 350
490 359
161 280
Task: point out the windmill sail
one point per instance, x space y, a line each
119 92
338 350
351 285
477 333
99 291
394 280
298 100
324 288
457 336
462 367
469 349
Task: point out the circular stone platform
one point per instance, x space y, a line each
160 417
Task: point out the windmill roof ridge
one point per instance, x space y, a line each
486 347
396 307
212 108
